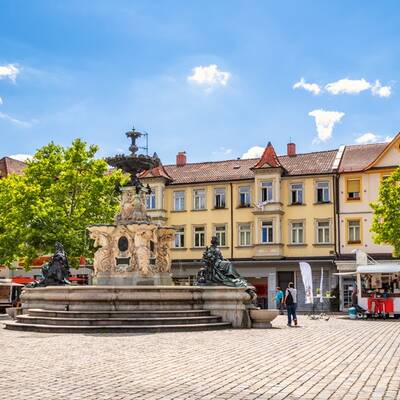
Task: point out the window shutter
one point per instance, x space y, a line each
353 185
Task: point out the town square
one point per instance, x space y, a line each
199 201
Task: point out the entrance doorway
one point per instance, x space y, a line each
261 285
284 277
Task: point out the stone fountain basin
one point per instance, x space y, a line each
262 318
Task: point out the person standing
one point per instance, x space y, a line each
291 304
279 300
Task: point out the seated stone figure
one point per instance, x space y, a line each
56 271
219 271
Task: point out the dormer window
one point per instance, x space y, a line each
266 191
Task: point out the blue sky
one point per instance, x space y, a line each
92 69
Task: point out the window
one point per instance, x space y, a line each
199 199
296 193
353 189
267 232
179 201
323 232
323 192
219 198
199 236
244 196
297 232
179 238
266 191
151 200
220 233
245 235
354 231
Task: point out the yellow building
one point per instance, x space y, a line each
268 214
361 170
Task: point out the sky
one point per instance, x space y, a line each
217 79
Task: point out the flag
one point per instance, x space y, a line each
306 274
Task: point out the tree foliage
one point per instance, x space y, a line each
386 220
62 191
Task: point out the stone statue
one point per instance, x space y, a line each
104 258
163 259
219 271
56 271
142 245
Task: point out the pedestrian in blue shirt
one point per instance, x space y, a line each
279 300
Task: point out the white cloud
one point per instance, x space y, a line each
14 120
325 121
349 86
382 91
310 87
370 137
9 71
1 101
209 76
253 152
22 157
222 151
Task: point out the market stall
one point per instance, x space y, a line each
379 289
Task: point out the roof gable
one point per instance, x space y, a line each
156 172
389 156
269 159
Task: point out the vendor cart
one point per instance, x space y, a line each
378 289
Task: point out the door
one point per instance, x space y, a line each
284 277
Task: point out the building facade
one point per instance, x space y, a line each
361 170
268 214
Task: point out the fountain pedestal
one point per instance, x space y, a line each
133 251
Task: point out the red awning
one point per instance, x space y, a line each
75 278
24 280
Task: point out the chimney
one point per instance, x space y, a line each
291 149
181 159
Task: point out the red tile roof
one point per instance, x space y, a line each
157 172
358 157
232 170
10 166
268 158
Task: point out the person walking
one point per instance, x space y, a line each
279 300
291 304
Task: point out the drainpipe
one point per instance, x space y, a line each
231 186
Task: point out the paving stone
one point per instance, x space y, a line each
335 359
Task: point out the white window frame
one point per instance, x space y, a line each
178 199
351 231
326 230
267 187
326 193
219 198
218 233
269 231
297 232
151 200
180 232
246 234
202 232
299 191
199 194
245 191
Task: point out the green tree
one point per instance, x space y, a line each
62 191
386 220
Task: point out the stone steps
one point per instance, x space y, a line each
118 314
29 319
116 321
18 326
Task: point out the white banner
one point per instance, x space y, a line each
321 286
306 274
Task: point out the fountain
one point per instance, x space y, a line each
132 287
133 250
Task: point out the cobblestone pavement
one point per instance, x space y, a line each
335 359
